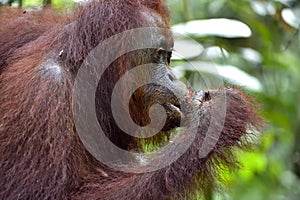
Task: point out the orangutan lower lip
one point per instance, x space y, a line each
176 107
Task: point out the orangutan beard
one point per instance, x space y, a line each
207 154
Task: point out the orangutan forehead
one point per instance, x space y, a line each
153 19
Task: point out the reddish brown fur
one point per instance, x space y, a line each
42 156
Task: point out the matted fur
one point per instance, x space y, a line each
42 156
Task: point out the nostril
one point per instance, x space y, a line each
171 77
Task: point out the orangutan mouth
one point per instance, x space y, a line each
202 96
198 98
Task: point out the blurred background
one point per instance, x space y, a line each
254 45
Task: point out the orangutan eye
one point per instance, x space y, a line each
164 55
160 52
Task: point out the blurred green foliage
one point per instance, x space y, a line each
272 169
